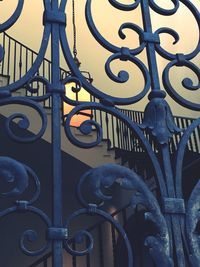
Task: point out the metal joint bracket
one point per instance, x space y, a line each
180 59
92 209
157 94
125 53
22 205
54 17
57 233
149 38
60 88
174 205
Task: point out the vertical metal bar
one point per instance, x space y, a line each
101 120
4 47
57 259
198 135
38 85
117 130
74 257
43 86
92 111
14 62
20 61
196 142
124 216
190 143
150 47
113 132
107 130
88 255
175 220
45 263
26 65
113 244
101 254
175 138
8 65
131 133
95 112
120 135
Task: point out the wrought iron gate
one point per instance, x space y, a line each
176 241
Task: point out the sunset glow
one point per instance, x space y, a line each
82 95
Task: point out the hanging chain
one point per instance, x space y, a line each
74 28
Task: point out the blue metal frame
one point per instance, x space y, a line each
176 220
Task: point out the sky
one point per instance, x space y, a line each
108 19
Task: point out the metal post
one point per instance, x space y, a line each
56 140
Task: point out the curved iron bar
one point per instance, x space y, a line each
124 54
133 126
158 120
192 220
102 41
180 155
24 121
32 71
187 83
30 89
181 60
104 177
124 7
93 210
7 24
15 172
163 11
30 235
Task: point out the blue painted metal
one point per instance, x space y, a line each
176 219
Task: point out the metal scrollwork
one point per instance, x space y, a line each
31 236
23 122
192 220
104 176
79 238
7 24
163 11
17 173
124 7
187 83
92 209
175 242
181 60
13 171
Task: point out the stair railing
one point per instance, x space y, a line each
120 136
19 58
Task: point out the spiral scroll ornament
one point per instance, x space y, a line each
175 218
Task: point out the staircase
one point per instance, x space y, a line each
119 146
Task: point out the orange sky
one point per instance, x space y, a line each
29 31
